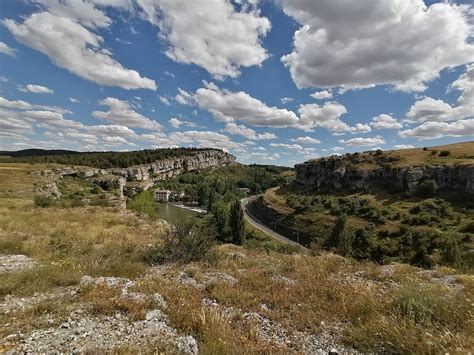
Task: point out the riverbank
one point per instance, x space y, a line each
189 208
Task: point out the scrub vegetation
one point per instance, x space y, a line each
250 298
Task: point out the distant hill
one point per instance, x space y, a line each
37 152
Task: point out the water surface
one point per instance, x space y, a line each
173 214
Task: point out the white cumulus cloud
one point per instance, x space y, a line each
212 34
306 140
363 43
246 132
322 95
363 142
432 130
385 121
120 112
72 46
5 49
36 89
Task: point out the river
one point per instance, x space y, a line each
172 214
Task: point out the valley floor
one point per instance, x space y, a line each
77 279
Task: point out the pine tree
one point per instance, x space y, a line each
339 226
451 255
219 213
237 223
340 240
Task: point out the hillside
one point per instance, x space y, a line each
77 277
450 154
448 167
411 206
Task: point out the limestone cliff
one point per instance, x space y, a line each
339 172
142 177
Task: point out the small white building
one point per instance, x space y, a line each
162 195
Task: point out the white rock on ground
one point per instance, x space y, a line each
83 333
15 262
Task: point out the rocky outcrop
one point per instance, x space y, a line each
141 177
338 173
50 189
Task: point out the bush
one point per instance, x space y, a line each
425 149
185 242
451 253
434 152
422 259
340 239
445 153
427 188
96 189
422 305
43 201
144 203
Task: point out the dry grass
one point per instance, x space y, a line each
17 180
460 154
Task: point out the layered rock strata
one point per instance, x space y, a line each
337 173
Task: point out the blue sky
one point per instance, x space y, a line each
271 81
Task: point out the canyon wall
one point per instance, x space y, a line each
142 177
338 173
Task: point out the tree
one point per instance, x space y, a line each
186 241
237 223
339 226
219 220
144 203
362 242
451 254
203 194
339 239
422 259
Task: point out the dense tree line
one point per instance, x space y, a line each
106 160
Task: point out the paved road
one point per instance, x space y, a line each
257 224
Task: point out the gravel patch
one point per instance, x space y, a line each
286 339
82 333
16 263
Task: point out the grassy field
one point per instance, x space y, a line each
362 305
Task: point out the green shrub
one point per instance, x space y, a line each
43 201
144 203
427 188
185 242
468 228
422 259
434 152
340 239
444 153
424 305
96 189
451 253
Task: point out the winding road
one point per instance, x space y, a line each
257 224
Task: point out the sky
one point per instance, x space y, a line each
270 81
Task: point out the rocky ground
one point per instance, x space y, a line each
79 329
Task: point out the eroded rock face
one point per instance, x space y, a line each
144 176
338 173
